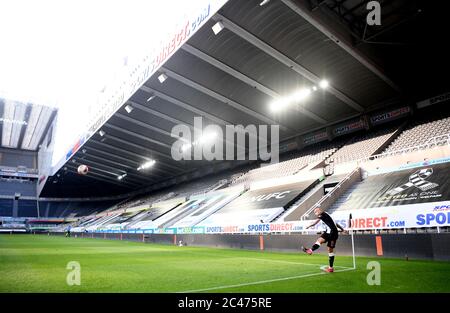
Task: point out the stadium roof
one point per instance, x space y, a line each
24 125
261 53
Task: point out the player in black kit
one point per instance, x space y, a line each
330 237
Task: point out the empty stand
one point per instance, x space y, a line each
208 206
72 208
6 207
420 133
9 187
363 146
289 167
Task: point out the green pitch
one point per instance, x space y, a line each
37 263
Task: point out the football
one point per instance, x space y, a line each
83 169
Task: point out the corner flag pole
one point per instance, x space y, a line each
353 241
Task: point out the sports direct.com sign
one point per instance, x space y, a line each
433 214
420 215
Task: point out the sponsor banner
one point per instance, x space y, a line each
390 115
348 128
314 138
417 185
288 147
190 230
267 198
75 147
406 216
257 228
168 231
434 100
224 229
278 227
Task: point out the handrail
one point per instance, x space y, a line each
325 197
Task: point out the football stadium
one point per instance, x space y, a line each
231 146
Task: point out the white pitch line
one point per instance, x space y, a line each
263 281
287 262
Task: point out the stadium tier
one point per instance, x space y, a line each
11 186
289 167
362 146
420 133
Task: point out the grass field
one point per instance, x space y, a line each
37 263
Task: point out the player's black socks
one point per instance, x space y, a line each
315 246
331 258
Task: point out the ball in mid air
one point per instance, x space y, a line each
83 169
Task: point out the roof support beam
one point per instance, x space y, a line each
165 117
142 124
91 156
184 105
221 98
285 60
157 114
133 134
113 174
150 151
249 81
229 70
112 147
132 170
135 164
305 14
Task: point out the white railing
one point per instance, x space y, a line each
432 142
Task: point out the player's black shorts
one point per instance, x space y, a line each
330 238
